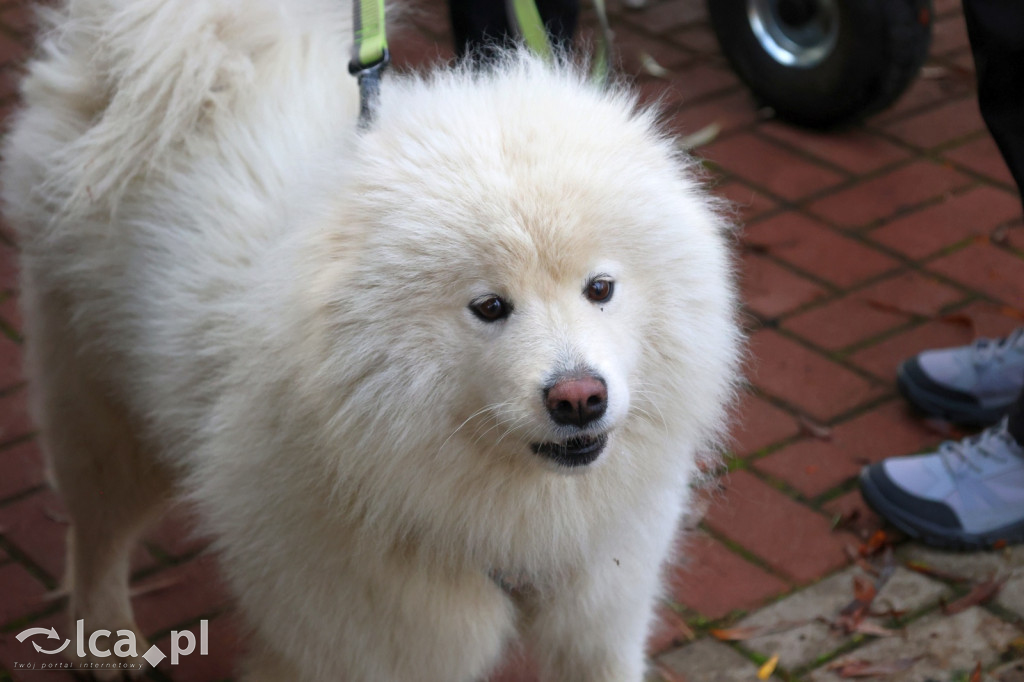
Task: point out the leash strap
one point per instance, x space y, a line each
602 69
526 17
370 54
531 28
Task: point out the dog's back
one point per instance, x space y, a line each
120 87
137 112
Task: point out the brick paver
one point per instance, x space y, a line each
860 248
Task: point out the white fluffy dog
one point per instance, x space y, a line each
432 385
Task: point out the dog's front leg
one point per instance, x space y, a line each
594 629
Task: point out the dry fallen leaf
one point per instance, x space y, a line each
861 668
852 616
1000 236
925 569
813 428
705 135
750 632
866 627
887 307
875 544
960 320
651 66
1014 313
853 553
943 428
979 594
976 675
845 520
766 670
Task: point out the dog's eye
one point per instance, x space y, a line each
491 308
600 290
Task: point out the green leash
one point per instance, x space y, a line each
531 28
370 56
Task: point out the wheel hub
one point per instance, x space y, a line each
797 33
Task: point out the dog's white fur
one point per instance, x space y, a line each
232 292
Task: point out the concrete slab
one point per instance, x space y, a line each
947 647
1010 672
979 566
972 565
708 660
801 646
1011 596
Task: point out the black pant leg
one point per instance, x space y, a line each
478 25
1016 419
996 30
560 18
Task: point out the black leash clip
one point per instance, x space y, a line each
369 85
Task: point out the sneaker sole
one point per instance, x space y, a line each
944 407
930 534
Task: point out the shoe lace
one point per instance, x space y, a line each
994 442
985 351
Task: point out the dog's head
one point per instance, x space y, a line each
547 273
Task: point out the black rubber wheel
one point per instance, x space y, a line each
824 63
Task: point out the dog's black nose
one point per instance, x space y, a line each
577 401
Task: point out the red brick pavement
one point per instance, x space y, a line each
860 247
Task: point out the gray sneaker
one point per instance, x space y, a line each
972 384
968 494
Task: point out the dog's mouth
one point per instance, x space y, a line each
575 452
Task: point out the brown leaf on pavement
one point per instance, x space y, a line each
860 668
979 594
813 428
888 307
943 428
961 320
888 613
1000 236
1014 313
976 675
874 629
925 569
750 632
853 614
875 544
865 590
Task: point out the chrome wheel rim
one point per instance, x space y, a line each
796 33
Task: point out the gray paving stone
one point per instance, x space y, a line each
1010 672
973 565
708 660
1011 596
978 566
948 646
801 646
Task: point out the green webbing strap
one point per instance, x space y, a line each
370 54
602 69
531 28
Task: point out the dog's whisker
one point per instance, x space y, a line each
493 407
